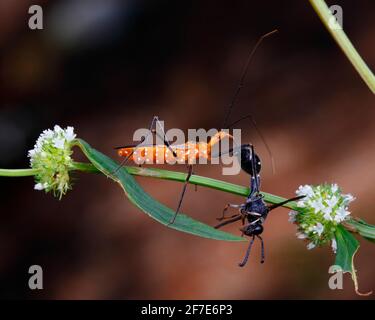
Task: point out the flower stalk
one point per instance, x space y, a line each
344 42
354 225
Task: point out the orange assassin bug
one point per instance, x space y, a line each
189 152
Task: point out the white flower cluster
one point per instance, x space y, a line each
322 209
51 157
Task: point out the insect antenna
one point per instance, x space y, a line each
244 261
241 82
276 205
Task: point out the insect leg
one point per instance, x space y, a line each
190 172
123 162
262 248
243 225
244 261
166 142
229 205
155 120
244 228
231 220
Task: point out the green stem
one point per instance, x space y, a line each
18 172
162 174
194 179
358 226
344 43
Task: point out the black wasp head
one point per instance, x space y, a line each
253 229
246 160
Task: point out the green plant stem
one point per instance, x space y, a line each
344 43
18 172
194 179
355 225
161 174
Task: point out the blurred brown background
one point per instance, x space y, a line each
106 67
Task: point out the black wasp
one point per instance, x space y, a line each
254 211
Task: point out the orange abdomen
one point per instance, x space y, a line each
187 153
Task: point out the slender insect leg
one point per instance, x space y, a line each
190 172
166 142
122 163
243 224
234 219
155 120
125 161
262 248
229 205
244 261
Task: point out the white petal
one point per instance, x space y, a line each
69 134
301 204
348 198
39 186
301 235
317 205
310 246
292 216
334 187
328 216
332 201
318 229
341 214
327 213
47 134
334 245
57 129
305 190
31 153
59 143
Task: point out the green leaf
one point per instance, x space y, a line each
364 229
146 203
347 247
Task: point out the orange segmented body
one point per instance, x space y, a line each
187 153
